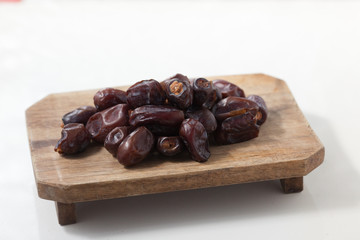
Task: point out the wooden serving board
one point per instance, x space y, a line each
286 149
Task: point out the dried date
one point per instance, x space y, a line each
213 98
203 90
178 91
135 147
101 123
156 115
108 97
74 139
237 129
195 138
263 111
79 115
233 106
115 137
170 146
228 89
204 116
146 92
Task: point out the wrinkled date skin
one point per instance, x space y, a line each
228 89
115 137
194 135
108 97
203 115
74 139
233 106
101 123
170 146
135 147
146 92
213 98
203 90
156 115
178 91
79 115
237 129
262 108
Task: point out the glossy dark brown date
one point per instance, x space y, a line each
156 115
108 97
74 139
203 115
135 147
178 91
101 123
228 89
79 115
169 146
115 137
146 92
233 106
203 91
213 98
237 129
195 138
262 116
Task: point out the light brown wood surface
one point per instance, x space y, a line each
286 148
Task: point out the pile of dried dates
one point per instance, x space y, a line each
171 116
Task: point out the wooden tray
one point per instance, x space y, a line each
286 149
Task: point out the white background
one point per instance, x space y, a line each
55 46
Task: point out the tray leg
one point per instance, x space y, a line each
292 185
66 213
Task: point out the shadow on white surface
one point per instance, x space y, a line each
336 183
333 185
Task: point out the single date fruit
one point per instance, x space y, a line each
101 123
135 147
237 129
178 91
194 135
204 116
115 137
79 115
170 146
203 90
74 139
213 98
108 97
146 92
262 108
233 106
156 115
228 89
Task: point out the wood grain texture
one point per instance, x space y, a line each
292 185
66 213
286 147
